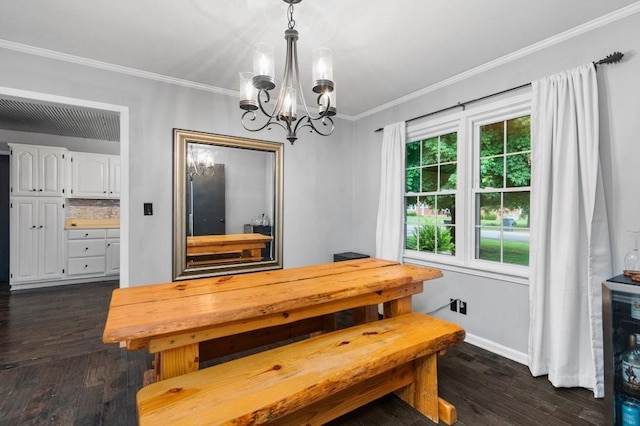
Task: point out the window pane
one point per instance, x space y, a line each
412 180
446 208
411 220
429 179
445 244
519 170
515 223
448 176
517 206
491 139
448 147
413 154
489 246
492 172
430 151
519 134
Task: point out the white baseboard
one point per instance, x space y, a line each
513 355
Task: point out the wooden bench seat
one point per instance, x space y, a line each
312 381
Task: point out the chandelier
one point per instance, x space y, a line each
255 88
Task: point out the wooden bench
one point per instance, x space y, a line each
312 381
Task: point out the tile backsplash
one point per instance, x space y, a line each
93 209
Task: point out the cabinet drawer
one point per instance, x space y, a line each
88 248
86 234
86 265
113 233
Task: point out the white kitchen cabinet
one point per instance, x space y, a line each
37 171
36 239
113 252
93 252
86 252
114 176
95 175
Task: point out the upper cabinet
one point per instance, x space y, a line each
37 170
95 175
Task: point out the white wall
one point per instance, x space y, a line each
317 189
498 310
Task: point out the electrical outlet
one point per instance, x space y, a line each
453 305
463 307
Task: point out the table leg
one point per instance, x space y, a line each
177 361
397 307
365 314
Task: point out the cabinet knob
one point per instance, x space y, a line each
86 266
86 248
104 192
34 190
86 235
108 244
33 227
40 226
39 190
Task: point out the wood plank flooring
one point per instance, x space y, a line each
55 370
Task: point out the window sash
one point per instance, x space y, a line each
467 124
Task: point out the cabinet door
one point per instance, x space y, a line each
51 175
113 257
50 238
24 166
89 175
23 239
114 176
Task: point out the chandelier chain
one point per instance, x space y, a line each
292 22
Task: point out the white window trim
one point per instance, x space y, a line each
467 123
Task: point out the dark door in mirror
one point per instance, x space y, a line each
206 203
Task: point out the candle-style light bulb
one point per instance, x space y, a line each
248 95
263 66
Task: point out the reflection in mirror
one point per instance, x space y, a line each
227 205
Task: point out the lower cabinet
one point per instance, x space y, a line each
113 252
36 239
90 252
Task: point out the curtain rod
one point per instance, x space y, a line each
615 57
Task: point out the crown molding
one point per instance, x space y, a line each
558 38
52 54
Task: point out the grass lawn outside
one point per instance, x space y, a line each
515 252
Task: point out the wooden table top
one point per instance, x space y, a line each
146 312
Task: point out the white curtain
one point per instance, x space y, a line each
389 226
570 251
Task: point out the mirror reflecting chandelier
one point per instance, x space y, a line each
200 161
255 88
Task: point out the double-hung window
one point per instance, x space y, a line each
467 188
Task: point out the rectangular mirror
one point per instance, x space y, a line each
227 214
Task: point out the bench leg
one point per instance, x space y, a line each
177 361
422 394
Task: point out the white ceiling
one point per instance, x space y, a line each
383 50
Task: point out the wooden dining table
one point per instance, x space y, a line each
173 320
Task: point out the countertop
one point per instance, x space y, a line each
80 223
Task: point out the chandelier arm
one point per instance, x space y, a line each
260 104
253 118
308 122
296 70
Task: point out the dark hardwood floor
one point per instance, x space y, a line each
55 370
